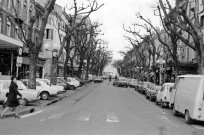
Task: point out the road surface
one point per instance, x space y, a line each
101 109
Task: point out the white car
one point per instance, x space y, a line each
73 82
163 95
27 94
44 89
57 87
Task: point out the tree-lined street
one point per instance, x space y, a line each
101 109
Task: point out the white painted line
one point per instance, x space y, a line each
198 127
148 102
112 118
31 114
54 116
84 117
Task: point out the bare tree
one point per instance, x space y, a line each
34 46
190 28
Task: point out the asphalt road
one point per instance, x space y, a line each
101 109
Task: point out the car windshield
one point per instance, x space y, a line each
46 81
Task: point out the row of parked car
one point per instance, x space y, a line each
184 97
43 88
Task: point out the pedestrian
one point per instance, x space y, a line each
12 101
109 79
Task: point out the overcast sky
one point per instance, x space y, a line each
114 14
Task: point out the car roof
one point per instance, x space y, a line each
171 84
192 76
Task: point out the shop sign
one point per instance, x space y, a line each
40 62
18 64
19 60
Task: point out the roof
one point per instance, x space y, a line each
192 76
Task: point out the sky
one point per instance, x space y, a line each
114 14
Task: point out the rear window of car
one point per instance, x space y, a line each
37 83
6 85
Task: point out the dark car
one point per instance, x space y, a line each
121 83
98 80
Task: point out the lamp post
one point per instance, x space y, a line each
53 49
161 62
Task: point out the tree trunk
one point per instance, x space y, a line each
80 67
72 68
33 56
54 71
66 68
87 68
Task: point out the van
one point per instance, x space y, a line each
189 97
163 95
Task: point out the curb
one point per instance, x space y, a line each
21 112
53 101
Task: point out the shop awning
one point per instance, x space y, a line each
8 42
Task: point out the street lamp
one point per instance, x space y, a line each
54 49
161 62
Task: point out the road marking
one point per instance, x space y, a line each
84 117
54 116
148 102
164 118
111 117
31 114
198 127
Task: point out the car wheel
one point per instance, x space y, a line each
44 95
156 102
188 119
23 101
175 113
150 98
72 87
161 104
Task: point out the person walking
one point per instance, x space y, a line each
12 101
109 79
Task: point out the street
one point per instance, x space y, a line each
101 109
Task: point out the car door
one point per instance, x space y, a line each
4 90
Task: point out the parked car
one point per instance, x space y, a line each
152 92
57 87
27 94
44 89
63 83
72 82
98 80
121 82
82 81
138 86
163 95
133 83
189 97
144 87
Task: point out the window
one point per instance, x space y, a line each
16 32
1 24
37 22
202 21
37 83
7 4
8 28
48 34
18 4
6 85
162 89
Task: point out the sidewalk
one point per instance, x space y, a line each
31 107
